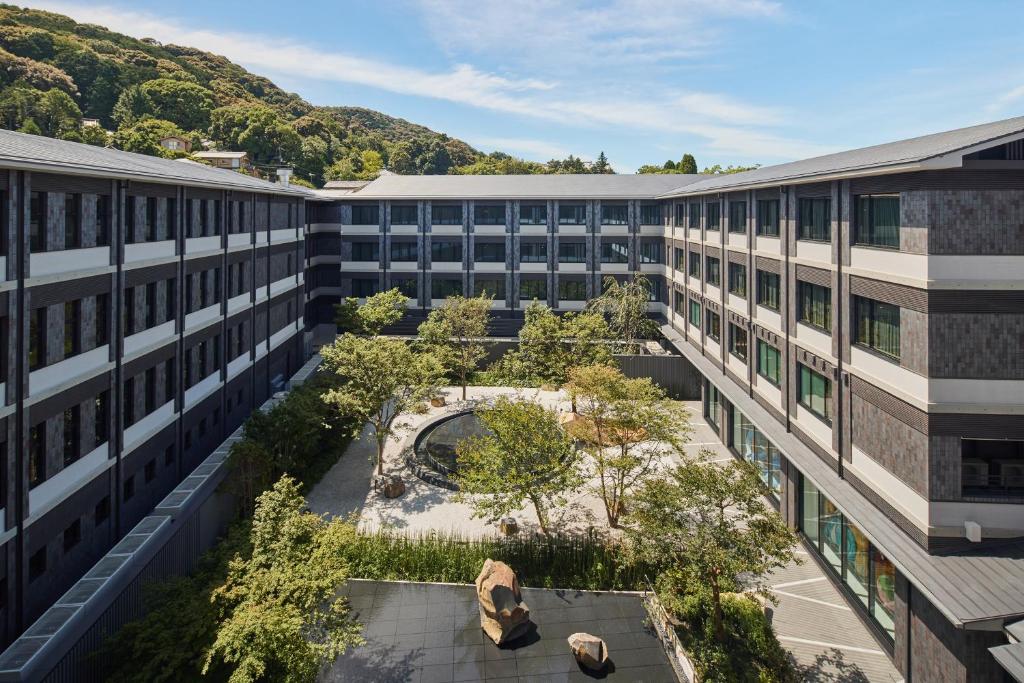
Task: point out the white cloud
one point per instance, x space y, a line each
1005 100
539 150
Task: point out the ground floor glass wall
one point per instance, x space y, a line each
755 448
868 574
712 405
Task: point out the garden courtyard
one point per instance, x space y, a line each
824 636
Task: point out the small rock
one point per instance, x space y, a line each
438 402
590 651
509 526
394 487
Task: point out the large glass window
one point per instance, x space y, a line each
72 221
814 305
712 271
404 251
856 563
362 287
992 468
809 508
694 214
404 214
365 215
489 252
680 216
446 214
614 251
489 214
37 221
650 214
878 326
695 314
572 252
493 287
738 342
533 252
572 214
714 325
883 591
738 279
694 270
768 217
406 285
533 214
831 521
712 405
814 393
650 252
572 290
877 222
815 219
714 216
738 217
444 287
768 289
768 362
446 250
680 259
755 448
365 251
614 214
533 289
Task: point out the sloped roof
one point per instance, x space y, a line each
37 153
554 186
864 160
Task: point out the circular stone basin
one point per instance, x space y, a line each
436 446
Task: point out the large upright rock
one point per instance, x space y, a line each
503 614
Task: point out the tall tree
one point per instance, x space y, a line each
382 379
688 164
601 165
187 104
526 458
625 305
132 104
456 334
57 114
707 526
380 310
281 617
628 427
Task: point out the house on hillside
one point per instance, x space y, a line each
175 143
235 161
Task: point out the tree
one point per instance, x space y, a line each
381 379
688 164
708 525
625 306
455 334
30 126
372 164
132 104
717 169
628 426
57 114
186 104
601 165
251 467
527 457
17 103
144 135
379 311
95 135
281 618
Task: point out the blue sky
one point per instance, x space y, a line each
730 81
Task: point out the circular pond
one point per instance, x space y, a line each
436 445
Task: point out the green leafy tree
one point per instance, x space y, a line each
625 306
526 458
17 103
707 526
95 135
628 426
143 137
688 164
601 165
132 104
186 104
380 310
373 163
381 379
30 126
281 617
252 468
456 332
717 169
57 114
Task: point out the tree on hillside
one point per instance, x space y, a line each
381 379
17 103
143 137
57 114
380 310
281 618
132 104
456 334
187 104
628 426
526 458
688 164
625 306
601 165
707 526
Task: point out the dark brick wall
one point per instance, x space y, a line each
894 445
940 653
976 345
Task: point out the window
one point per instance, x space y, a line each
713 274
768 362
72 326
442 288
446 214
768 289
169 455
878 326
533 289
151 206
404 251
614 214
128 488
695 313
150 390
751 445
408 286
365 215
37 564
814 305
694 270
129 400
572 252
738 342
150 305
680 215
680 262
614 251
992 468
768 217
533 214
489 214
446 250
37 338
37 222
572 290
404 214
493 287
533 252
714 216
694 215
363 287
169 295
738 217
366 251
679 302
169 378
72 445
814 392
102 220
572 214
489 252
877 221
37 454
72 535
171 218
72 221
100 417
713 325
650 214
738 279
712 405
150 471
815 219
102 319
650 252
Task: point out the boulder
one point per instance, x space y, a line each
394 486
509 526
437 402
590 651
503 614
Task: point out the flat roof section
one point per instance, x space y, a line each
501 187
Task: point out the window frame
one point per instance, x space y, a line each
734 346
865 326
768 228
765 359
808 376
772 303
738 217
713 270
818 294
808 208
737 285
860 217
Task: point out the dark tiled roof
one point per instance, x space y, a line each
60 156
548 186
865 159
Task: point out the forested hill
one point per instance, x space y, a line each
54 72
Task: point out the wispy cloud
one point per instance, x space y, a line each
539 150
1001 103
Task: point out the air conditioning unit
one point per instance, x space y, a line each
1011 474
973 473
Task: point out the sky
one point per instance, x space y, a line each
729 81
